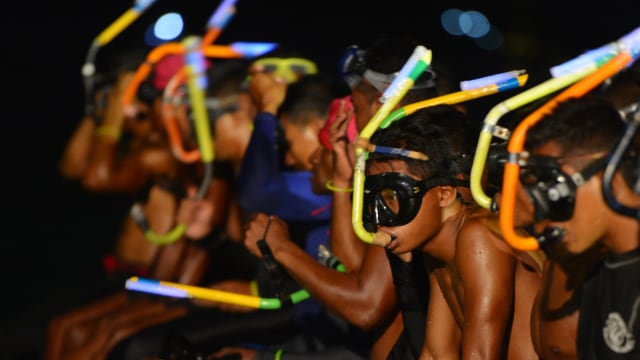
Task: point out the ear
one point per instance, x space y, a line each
447 195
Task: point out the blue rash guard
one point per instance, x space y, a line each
264 185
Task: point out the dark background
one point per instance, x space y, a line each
57 232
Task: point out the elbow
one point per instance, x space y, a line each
97 180
369 320
369 315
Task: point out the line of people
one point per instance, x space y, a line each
445 284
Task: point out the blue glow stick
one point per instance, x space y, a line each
154 287
631 43
252 49
404 73
598 56
142 5
490 79
223 14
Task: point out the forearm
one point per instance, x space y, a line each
343 293
75 157
345 244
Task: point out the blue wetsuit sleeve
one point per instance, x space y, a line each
265 186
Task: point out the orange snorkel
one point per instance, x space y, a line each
628 49
215 25
105 37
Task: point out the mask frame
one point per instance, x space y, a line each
353 69
552 190
394 199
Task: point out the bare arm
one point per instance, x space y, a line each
75 156
106 170
365 299
487 275
344 242
442 337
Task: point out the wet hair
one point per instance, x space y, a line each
310 96
580 125
441 132
583 125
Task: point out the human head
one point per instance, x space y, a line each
413 174
109 71
302 114
229 107
370 71
285 64
569 149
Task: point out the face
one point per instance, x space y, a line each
232 130
588 221
322 167
362 109
302 141
423 226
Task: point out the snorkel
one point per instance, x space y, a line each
384 117
627 49
633 123
106 36
193 51
178 290
491 129
412 69
217 22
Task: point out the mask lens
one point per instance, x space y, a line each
392 199
551 190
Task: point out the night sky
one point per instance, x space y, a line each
57 232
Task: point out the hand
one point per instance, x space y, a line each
115 114
273 230
196 215
343 150
266 91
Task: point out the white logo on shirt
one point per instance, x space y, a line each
616 334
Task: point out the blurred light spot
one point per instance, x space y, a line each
491 40
450 21
168 27
478 24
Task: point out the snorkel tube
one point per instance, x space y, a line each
470 93
633 123
196 83
412 69
490 127
116 27
628 49
177 290
486 86
232 51
217 22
